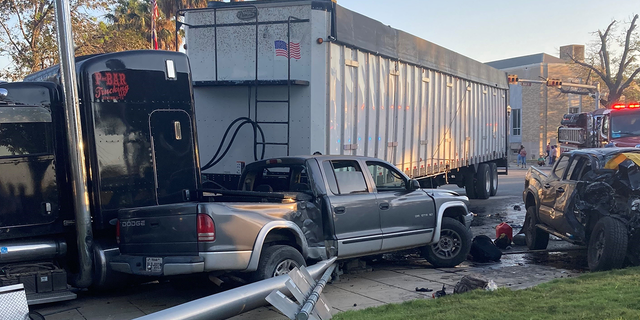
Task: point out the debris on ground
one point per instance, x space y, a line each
504 234
519 239
468 283
423 289
483 249
491 286
503 242
517 208
440 293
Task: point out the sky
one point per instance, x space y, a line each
488 30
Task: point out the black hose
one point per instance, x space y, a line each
215 159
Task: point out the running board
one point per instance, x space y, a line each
48 297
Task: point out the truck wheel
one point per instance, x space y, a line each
453 246
608 245
494 178
483 181
469 184
276 261
536 238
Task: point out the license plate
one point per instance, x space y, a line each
154 264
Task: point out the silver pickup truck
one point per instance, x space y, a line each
291 210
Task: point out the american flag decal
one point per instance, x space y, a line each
281 49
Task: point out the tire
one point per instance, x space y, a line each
607 245
277 260
483 181
452 248
493 167
536 238
469 184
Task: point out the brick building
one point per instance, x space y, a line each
536 110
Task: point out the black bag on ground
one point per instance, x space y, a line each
483 250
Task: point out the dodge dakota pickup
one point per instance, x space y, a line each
591 197
291 210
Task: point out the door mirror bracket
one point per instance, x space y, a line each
413 185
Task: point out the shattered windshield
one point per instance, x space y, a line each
625 124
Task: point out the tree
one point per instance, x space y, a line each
28 35
616 69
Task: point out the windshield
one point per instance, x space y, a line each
625 123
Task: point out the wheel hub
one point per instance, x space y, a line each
284 267
449 244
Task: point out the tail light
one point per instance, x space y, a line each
117 231
206 228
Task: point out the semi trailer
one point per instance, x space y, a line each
296 77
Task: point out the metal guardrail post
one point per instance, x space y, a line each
232 302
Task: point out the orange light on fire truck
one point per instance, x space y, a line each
618 106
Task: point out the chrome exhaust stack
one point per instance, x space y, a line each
83 278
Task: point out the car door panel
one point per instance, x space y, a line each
355 212
407 217
548 191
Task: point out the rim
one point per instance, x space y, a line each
599 245
285 267
487 180
495 180
449 245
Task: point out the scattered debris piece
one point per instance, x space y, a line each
503 242
504 228
468 283
491 286
423 289
517 208
483 249
440 293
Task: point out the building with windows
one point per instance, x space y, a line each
536 110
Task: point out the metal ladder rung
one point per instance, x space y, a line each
272 122
273 143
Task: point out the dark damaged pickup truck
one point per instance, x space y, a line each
591 197
291 210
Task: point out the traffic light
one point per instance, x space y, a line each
554 82
513 79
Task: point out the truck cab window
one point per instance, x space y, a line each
560 166
577 166
385 177
23 139
349 176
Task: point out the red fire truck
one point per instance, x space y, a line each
618 126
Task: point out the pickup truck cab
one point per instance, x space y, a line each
291 210
591 197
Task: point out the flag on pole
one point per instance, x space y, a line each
154 15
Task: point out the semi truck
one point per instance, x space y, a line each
296 77
137 120
617 126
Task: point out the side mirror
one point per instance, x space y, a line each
413 185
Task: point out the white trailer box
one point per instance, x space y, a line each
315 76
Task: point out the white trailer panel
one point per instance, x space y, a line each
365 89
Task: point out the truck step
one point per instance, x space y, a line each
48 297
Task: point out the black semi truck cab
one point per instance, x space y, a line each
137 120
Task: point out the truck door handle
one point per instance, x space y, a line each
383 206
339 210
547 186
560 190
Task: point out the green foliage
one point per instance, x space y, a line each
600 295
28 35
